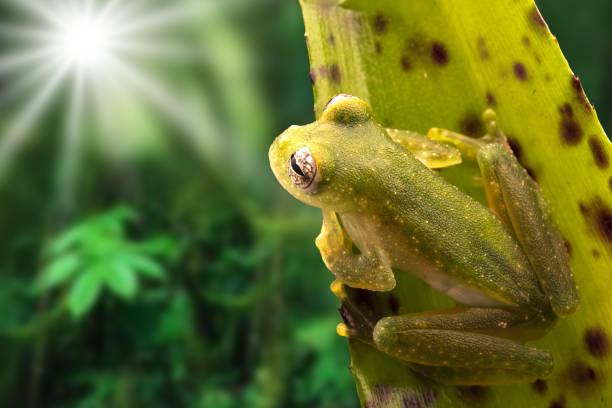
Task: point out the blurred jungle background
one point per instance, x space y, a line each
148 257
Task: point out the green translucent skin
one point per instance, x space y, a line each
385 211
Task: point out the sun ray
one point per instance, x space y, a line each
178 111
172 50
103 96
16 134
22 33
71 143
40 9
18 60
31 78
117 16
166 17
108 9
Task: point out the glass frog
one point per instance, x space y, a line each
385 212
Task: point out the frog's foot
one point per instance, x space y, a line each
367 269
470 146
428 151
461 346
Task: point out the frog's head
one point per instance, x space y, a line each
319 162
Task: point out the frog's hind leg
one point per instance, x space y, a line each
366 268
517 200
462 346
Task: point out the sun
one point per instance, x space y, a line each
84 41
82 53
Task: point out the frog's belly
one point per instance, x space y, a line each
409 259
453 288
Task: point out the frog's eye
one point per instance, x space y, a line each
303 170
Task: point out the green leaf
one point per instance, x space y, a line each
144 266
57 272
84 292
121 281
161 245
423 64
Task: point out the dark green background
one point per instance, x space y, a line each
243 317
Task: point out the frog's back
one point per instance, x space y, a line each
430 228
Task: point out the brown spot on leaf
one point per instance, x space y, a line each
517 150
599 217
439 54
610 182
526 41
331 39
306 37
334 73
569 130
313 76
580 95
520 72
405 63
558 403
581 375
536 20
490 98
378 47
380 23
540 386
604 222
323 70
482 48
471 125
566 110
597 342
599 154
538 60
595 253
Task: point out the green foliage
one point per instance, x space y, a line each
95 254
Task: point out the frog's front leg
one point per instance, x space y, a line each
463 345
367 269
